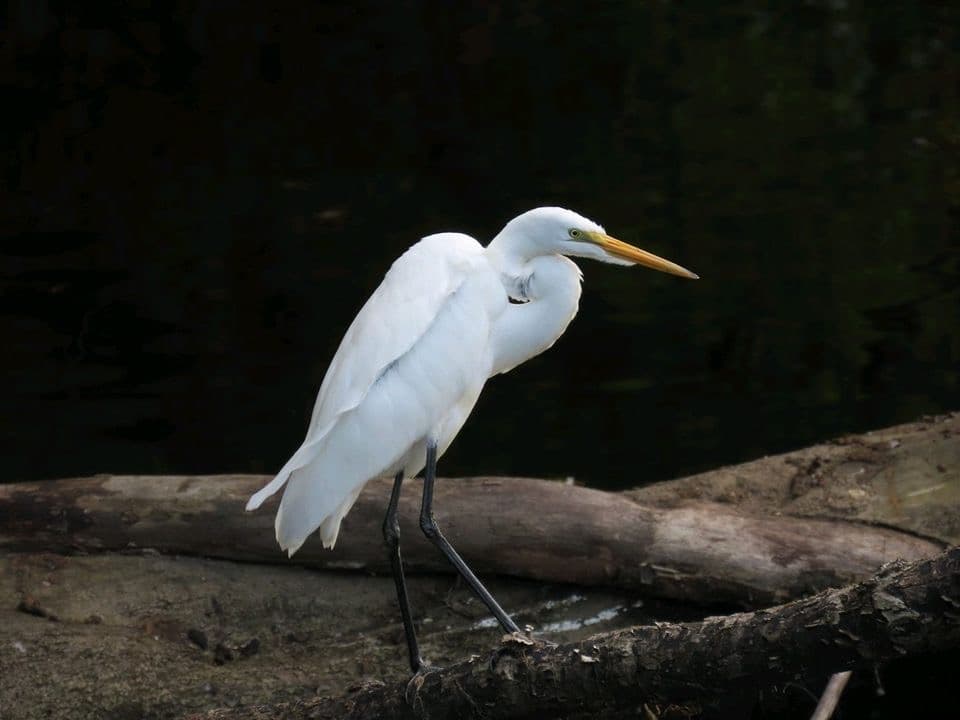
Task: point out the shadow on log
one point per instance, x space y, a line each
713 668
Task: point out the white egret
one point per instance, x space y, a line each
413 362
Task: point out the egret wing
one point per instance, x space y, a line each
392 320
389 324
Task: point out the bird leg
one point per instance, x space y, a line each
391 536
429 526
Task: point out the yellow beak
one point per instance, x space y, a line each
626 251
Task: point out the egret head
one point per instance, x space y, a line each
554 230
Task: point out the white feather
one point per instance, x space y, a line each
387 367
413 362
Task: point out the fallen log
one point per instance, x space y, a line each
704 552
120 645
906 476
712 668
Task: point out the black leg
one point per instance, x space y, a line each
391 535
429 526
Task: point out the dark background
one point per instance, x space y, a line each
198 197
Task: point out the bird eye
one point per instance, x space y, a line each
575 234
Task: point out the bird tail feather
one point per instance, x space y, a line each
304 455
321 482
309 502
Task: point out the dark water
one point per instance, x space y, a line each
196 205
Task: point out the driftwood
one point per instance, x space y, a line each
666 540
713 668
88 632
521 527
907 476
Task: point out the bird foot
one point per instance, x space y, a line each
416 681
426 668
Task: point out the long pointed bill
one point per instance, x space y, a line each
626 251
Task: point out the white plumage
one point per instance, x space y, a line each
413 362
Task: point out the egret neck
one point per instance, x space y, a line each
548 288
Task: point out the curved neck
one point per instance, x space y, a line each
550 287
509 251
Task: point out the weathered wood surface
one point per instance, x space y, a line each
714 668
693 543
86 632
906 476
521 527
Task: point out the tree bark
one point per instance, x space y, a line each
704 552
906 476
710 669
